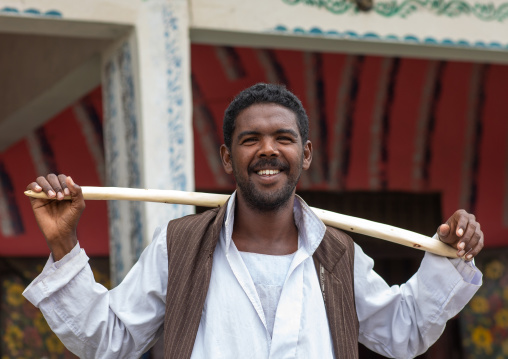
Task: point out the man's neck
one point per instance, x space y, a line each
265 232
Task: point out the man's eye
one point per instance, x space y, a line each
286 139
249 140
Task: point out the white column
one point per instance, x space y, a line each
148 125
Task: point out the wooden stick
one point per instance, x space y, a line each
341 221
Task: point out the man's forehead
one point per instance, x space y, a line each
266 113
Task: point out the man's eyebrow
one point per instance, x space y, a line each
287 131
278 132
246 133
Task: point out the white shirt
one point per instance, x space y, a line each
268 273
399 322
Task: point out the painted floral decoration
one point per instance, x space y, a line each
24 333
484 321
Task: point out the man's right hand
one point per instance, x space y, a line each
58 218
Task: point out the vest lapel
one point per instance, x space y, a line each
335 277
191 243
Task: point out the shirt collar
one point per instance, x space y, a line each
311 229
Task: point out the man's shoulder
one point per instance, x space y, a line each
340 235
191 220
338 240
336 247
190 235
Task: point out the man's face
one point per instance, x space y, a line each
266 156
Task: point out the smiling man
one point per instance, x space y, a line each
266 155
261 277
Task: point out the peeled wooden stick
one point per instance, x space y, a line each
347 223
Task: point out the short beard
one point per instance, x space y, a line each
268 202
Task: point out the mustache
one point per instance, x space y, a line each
268 163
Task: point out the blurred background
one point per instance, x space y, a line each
406 129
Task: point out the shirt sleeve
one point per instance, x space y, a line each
404 321
93 322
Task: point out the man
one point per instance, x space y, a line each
262 277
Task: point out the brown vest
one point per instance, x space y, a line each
191 242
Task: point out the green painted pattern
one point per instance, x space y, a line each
404 8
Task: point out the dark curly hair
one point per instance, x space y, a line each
264 93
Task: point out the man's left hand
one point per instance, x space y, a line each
462 232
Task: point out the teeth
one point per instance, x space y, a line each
268 172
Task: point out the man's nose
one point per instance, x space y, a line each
268 149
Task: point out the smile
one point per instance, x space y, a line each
268 172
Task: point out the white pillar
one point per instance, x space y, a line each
148 125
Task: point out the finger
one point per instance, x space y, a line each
55 183
78 200
61 178
461 225
46 187
469 233
469 238
461 248
443 231
477 247
472 227
34 187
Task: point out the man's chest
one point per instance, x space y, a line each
233 321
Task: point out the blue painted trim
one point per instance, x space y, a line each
30 12
315 31
178 157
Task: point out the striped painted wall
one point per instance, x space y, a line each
380 124
70 143
377 123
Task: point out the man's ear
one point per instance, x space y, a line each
307 155
225 156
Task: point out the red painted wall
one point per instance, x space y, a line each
469 170
445 119
70 155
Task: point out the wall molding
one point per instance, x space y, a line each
9 10
316 31
393 8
